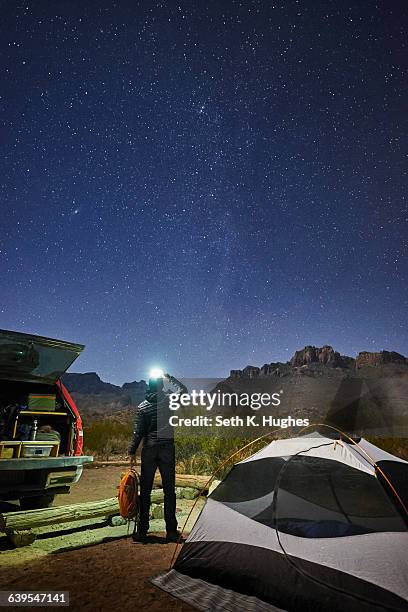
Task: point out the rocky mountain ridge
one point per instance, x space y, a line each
325 356
365 395
96 398
362 394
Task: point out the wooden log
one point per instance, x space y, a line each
116 463
188 480
30 519
184 480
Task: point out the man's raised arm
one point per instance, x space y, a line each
179 387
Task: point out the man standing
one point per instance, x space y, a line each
153 428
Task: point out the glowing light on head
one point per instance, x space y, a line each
156 373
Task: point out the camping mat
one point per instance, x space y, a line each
207 597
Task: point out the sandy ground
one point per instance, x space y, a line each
110 576
96 483
99 565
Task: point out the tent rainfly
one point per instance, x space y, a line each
306 524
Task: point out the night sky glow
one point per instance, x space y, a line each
202 185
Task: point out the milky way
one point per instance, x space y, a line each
202 185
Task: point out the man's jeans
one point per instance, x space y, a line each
160 456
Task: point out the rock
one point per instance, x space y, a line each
248 372
93 396
324 355
270 369
189 493
117 521
89 383
21 538
366 358
157 511
251 371
136 391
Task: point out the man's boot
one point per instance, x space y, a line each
140 536
173 536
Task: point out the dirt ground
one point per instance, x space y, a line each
105 577
96 483
100 566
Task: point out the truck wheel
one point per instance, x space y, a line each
39 501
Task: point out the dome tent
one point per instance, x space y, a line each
308 523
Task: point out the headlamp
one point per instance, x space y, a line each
156 373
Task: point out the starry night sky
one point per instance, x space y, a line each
204 184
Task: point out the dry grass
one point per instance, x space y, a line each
107 437
202 453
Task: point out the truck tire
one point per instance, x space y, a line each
39 501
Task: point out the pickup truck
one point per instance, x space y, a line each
41 435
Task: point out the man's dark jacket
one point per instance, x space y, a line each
152 419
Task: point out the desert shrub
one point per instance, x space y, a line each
202 453
196 454
205 454
106 437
